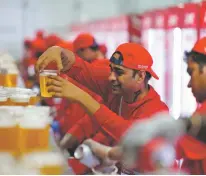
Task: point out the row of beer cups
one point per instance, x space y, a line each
24 137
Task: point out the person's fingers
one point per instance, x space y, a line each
38 63
57 78
54 82
54 89
57 95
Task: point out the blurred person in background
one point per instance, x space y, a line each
52 40
40 34
190 147
126 93
103 49
86 47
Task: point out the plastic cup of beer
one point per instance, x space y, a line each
33 133
18 99
48 163
8 133
33 95
43 81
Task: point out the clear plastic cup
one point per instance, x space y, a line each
48 163
43 81
34 133
8 133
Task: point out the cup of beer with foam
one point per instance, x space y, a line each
43 78
33 133
18 99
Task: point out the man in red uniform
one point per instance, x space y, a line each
126 93
190 147
87 48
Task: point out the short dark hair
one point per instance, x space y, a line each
199 58
37 54
94 46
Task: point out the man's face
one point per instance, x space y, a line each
123 79
197 80
87 54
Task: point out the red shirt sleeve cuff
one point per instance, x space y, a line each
77 132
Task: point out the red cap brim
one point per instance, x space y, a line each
153 73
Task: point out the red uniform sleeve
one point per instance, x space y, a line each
92 76
78 84
84 128
115 125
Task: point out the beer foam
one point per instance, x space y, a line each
20 98
6 119
33 122
41 110
6 157
41 159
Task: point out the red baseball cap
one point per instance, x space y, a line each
134 56
39 45
200 46
83 40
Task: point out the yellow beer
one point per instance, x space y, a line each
33 100
43 81
1 79
8 133
34 135
10 80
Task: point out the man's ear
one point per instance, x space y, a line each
140 76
